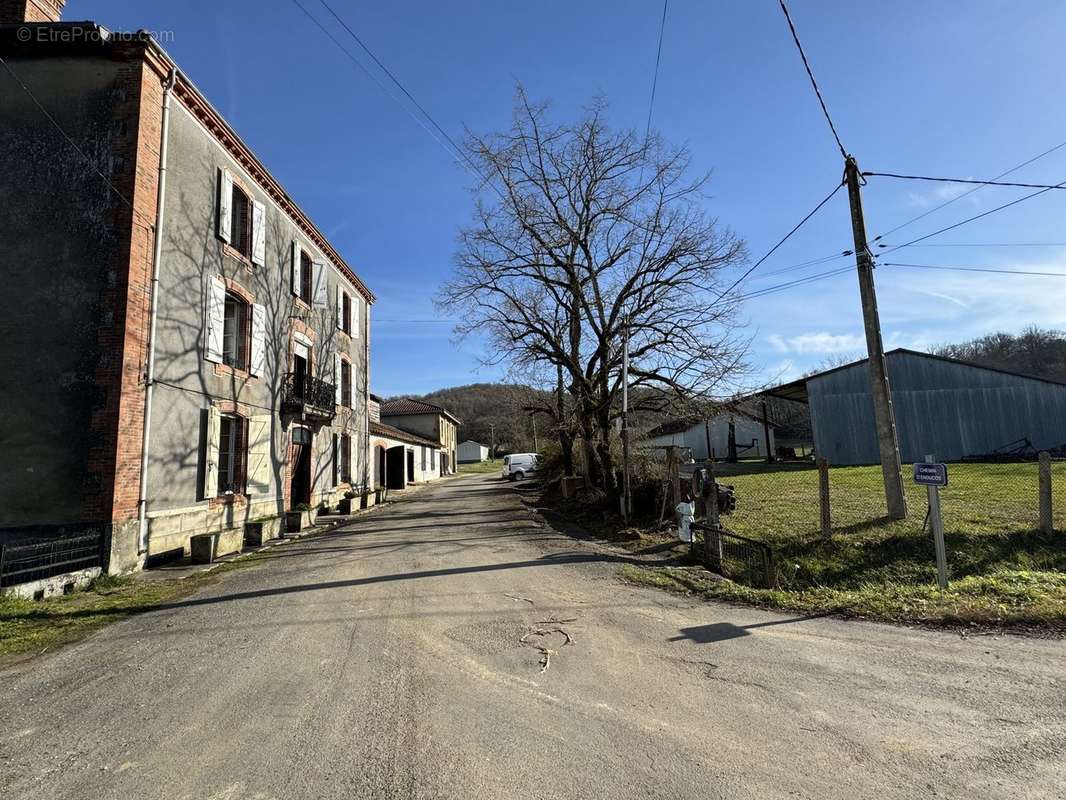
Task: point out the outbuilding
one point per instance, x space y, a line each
710 437
943 406
471 452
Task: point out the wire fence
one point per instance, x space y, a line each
781 502
26 557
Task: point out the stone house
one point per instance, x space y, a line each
198 349
427 421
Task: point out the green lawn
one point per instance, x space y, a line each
481 468
1001 567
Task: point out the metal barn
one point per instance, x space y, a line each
950 408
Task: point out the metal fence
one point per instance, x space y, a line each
24 559
737 557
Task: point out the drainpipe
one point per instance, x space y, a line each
153 316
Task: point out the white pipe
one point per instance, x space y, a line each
153 316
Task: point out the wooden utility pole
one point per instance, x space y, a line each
492 446
884 416
533 416
627 502
766 434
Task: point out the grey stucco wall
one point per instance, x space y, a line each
187 381
947 409
58 255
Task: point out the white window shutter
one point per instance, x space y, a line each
258 233
352 471
215 319
355 316
337 377
225 197
259 454
214 424
318 284
294 275
258 365
340 308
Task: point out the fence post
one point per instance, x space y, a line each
711 488
1047 522
823 498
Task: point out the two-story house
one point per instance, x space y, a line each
185 349
429 421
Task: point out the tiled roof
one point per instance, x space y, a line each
389 432
406 406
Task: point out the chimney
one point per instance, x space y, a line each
13 12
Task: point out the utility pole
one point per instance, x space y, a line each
492 446
884 416
627 508
533 416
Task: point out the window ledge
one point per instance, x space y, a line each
225 370
228 500
237 255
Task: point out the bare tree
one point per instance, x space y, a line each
586 235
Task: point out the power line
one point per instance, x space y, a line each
814 83
797 282
773 249
150 224
373 77
951 200
983 244
402 88
978 269
971 219
655 78
962 180
811 263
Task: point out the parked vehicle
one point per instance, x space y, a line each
518 465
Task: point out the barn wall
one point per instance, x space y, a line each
948 409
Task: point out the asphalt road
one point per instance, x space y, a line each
387 660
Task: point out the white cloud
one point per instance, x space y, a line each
816 343
941 193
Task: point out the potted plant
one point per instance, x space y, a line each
345 504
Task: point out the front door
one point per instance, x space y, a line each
410 466
300 459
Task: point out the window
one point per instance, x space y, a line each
335 462
423 458
240 231
231 442
432 459
346 384
302 277
235 332
346 458
346 313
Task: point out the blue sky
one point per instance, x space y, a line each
960 90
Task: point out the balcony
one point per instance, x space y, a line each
309 398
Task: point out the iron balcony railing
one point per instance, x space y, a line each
308 396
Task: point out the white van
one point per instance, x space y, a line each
518 465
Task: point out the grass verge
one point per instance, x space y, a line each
1010 599
481 467
28 627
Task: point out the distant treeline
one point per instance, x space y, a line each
1034 351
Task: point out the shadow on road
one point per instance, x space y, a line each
721 631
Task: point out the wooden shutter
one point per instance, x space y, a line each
340 308
258 233
351 459
259 454
214 423
294 272
215 319
225 198
355 316
318 285
258 360
337 377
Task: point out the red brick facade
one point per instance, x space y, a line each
117 424
15 11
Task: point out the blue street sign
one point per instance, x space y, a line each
928 474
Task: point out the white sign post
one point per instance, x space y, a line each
933 475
